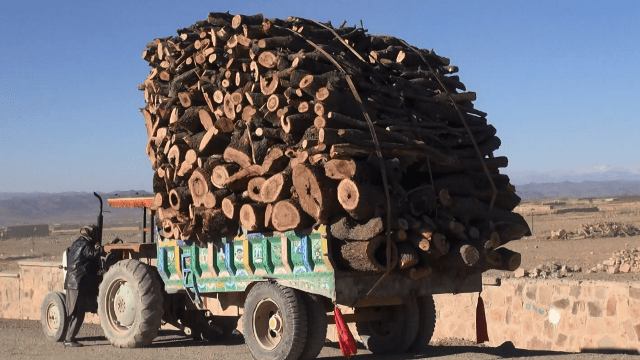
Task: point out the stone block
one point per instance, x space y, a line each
588 342
549 330
560 291
636 329
578 306
634 293
622 307
612 326
611 306
537 344
594 309
544 295
607 342
562 303
496 315
601 292
561 339
519 273
575 291
629 332
594 326
634 311
10 296
531 291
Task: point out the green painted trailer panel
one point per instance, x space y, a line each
299 259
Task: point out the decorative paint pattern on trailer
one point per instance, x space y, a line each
296 258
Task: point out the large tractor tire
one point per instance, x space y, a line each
274 322
317 329
427 325
130 304
53 316
383 337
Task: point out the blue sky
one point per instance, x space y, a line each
558 78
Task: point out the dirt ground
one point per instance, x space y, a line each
23 339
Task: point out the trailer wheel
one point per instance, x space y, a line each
53 316
317 319
130 304
381 337
427 325
274 322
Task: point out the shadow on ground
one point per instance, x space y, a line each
506 350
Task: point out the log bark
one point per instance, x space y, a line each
180 198
240 180
352 256
346 228
407 255
215 225
377 253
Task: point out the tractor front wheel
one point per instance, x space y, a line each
53 316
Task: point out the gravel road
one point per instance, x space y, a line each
23 339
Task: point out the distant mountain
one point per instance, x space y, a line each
57 208
596 173
583 189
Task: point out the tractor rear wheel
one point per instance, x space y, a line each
427 326
382 337
317 329
130 304
274 322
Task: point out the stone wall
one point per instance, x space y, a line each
9 297
548 314
23 231
534 314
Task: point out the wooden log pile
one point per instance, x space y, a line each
268 124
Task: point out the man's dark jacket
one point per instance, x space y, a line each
82 263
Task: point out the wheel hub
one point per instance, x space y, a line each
53 317
268 324
275 323
124 305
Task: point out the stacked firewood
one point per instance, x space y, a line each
268 124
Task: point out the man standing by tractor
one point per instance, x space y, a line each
82 268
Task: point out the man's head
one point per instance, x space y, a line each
88 231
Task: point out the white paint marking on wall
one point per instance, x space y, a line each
554 316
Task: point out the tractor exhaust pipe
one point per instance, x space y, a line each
98 233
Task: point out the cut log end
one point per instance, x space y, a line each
288 215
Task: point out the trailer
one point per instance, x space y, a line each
280 289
